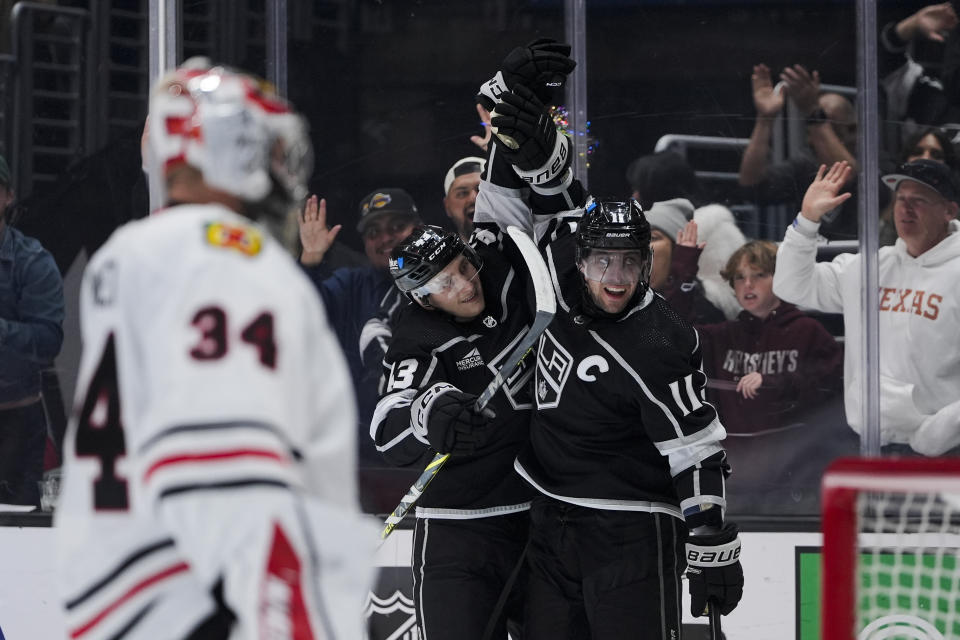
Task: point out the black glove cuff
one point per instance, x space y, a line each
498 170
553 168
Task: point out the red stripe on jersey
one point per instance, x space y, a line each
180 567
213 456
281 594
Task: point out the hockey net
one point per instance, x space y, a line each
891 541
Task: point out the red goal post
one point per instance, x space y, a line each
891 541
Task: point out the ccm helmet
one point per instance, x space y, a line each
422 255
616 226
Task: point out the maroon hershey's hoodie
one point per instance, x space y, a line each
799 360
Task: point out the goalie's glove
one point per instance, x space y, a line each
714 571
453 424
542 65
530 140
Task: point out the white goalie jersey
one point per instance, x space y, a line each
209 483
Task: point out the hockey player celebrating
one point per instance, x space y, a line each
625 453
209 487
471 522
471 309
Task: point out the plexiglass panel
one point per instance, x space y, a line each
730 105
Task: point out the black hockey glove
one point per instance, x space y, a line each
529 137
714 571
542 65
454 426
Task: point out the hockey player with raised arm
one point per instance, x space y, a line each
625 453
472 305
209 477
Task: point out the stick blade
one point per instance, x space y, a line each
542 284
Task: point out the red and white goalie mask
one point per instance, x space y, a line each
233 128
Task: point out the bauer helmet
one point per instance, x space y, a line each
235 130
422 255
610 225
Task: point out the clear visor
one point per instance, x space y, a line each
613 267
457 276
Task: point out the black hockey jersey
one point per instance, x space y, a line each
621 420
431 348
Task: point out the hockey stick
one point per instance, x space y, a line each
714 611
546 307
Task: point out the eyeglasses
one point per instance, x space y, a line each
613 267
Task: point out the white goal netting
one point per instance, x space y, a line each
908 585
891 547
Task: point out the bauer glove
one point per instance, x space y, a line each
714 571
530 140
542 65
454 426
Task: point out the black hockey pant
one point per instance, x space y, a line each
603 575
460 568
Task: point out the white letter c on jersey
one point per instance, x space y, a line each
591 361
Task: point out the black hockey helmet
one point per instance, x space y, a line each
423 254
610 224
615 225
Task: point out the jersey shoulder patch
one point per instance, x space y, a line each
233 236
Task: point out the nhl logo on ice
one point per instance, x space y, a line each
393 617
489 322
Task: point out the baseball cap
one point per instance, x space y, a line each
463 166
378 203
670 216
4 172
930 173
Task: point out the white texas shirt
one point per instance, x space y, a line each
918 320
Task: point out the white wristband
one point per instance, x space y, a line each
713 556
806 226
552 168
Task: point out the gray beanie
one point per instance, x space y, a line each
670 216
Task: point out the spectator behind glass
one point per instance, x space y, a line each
661 176
31 334
666 175
831 129
772 362
354 295
772 372
914 93
674 270
919 309
930 143
461 185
